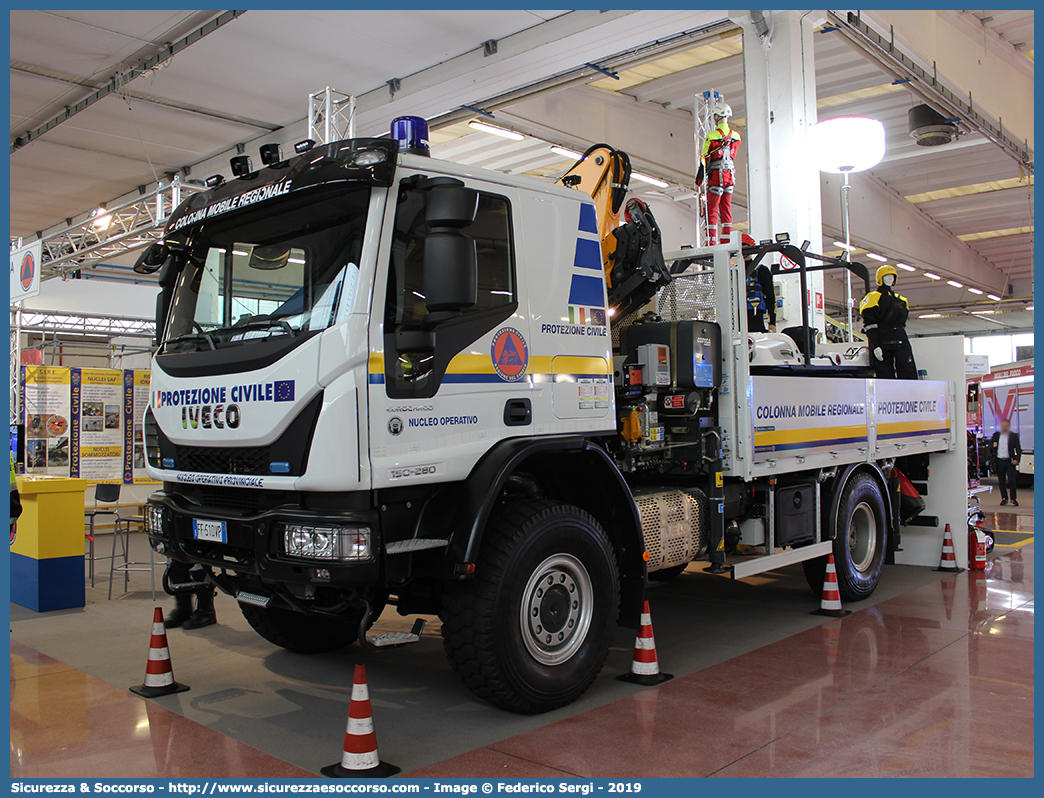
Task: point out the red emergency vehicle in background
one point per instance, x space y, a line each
1006 392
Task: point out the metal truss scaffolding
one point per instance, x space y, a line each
34 321
108 232
331 116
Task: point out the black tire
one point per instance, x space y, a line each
494 643
667 574
860 542
302 634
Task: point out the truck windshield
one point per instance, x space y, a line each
286 268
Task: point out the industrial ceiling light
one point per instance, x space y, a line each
845 144
994 297
573 154
955 284
875 256
844 246
983 312
931 276
975 290
474 124
906 267
102 220
651 180
930 316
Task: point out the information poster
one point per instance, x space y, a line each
46 413
135 400
100 424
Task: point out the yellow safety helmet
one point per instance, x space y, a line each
886 270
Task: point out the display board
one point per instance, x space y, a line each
100 406
47 414
84 422
135 400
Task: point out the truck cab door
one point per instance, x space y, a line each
443 391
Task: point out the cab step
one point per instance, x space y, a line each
254 599
415 544
396 639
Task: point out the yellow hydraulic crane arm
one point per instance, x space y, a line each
603 173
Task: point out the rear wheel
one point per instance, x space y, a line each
860 541
532 630
302 634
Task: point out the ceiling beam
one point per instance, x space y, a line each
123 78
40 72
894 227
927 84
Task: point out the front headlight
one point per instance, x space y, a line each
154 517
327 542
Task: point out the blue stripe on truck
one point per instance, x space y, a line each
587 291
588 254
588 220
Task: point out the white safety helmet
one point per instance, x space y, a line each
722 109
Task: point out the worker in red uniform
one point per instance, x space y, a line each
884 315
719 160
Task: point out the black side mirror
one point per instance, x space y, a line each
154 256
168 279
450 255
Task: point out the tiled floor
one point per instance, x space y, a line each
935 679
937 682
65 723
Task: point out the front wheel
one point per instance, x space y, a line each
532 630
860 541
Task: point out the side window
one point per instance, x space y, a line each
418 373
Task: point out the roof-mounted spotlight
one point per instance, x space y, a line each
271 154
782 238
241 165
214 181
304 146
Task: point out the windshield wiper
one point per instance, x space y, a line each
197 336
261 323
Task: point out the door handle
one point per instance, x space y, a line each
518 412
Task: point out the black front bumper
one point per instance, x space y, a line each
254 543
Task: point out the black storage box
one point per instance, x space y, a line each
795 514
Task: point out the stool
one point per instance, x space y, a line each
122 534
106 493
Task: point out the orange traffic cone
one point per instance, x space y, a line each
359 758
645 667
948 561
159 676
830 604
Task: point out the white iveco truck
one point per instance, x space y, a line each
387 379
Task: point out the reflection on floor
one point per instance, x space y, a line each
65 723
931 678
937 682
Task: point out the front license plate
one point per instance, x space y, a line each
210 530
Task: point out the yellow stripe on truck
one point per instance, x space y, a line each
809 435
